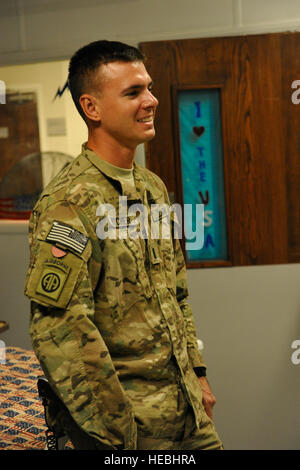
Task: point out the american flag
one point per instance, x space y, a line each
15 208
67 237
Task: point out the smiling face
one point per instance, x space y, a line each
125 103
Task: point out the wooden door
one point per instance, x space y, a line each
260 134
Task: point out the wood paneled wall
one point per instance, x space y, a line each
261 138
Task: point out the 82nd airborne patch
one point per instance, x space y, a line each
52 280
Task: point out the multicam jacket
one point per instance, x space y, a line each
110 322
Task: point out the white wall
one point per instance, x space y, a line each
38 30
247 317
45 78
15 307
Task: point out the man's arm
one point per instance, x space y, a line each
195 356
66 340
208 398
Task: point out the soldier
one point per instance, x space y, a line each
110 321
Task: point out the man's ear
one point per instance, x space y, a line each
90 107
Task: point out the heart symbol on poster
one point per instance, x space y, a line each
198 130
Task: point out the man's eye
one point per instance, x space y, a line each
132 93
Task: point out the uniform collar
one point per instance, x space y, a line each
138 173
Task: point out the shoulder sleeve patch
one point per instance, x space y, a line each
51 281
65 236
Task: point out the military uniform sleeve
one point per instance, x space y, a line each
195 356
68 344
182 295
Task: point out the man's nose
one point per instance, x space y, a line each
150 100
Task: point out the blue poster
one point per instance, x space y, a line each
202 169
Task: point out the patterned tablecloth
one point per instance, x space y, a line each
22 423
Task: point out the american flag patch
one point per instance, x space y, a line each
67 237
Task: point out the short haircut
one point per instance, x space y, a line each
86 61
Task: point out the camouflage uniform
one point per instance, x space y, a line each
110 322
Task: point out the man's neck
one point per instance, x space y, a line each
112 151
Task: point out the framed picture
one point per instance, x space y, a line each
200 173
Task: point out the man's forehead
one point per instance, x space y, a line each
123 72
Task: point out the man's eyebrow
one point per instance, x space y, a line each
137 87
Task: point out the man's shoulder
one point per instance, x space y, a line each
65 201
72 184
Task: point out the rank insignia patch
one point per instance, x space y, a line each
67 237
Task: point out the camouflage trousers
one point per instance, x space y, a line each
204 438
186 437
181 434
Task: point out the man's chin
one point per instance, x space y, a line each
149 136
